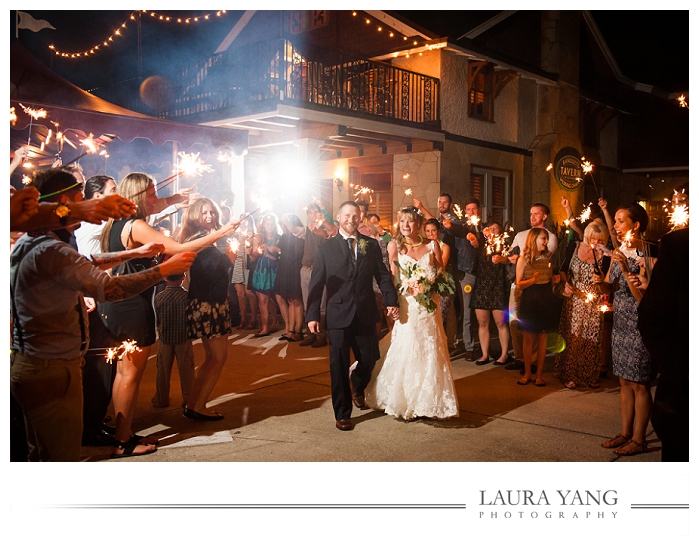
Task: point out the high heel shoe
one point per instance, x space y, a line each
194 415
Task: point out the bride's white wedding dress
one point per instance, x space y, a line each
414 377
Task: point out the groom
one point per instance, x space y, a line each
345 265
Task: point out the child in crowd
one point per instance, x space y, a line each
170 311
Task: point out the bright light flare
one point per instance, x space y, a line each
473 220
586 166
13 115
90 144
408 192
234 245
458 211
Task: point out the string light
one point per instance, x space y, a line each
119 32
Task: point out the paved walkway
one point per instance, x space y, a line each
275 397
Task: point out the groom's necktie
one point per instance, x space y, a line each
353 256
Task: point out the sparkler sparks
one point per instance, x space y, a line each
473 220
13 115
585 214
549 167
682 100
191 165
586 166
34 113
126 347
497 244
362 191
458 211
90 144
408 192
677 210
233 245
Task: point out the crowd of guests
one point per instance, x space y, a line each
125 274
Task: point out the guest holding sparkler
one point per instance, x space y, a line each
537 307
242 275
538 213
287 285
266 247
631 361
491 293
48 281
134 318
582 323
208 307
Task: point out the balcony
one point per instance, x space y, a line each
256 78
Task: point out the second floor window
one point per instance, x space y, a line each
480 90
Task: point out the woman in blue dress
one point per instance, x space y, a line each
268 251
631 360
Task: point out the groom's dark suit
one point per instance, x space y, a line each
351 314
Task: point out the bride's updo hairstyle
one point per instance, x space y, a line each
411 213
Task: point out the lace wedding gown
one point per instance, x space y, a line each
414 378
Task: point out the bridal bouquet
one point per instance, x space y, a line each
424 283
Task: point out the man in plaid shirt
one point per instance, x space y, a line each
170 306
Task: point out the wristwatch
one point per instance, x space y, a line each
62 212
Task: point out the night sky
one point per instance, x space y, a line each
651 47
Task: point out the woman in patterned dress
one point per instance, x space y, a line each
631 361
208 307
491 295
582 321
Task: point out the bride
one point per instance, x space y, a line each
414 379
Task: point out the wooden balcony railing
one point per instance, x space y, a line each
247 79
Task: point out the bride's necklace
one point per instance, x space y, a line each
414 244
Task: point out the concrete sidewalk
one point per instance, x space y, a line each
275 397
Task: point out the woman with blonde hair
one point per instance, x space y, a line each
538 311
208 307
582 322
134 318
414 379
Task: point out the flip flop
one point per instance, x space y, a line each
128 450
540 383
524 381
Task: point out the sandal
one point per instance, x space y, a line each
128 449
616 442
524 381
631 448
140 439
540 383
594 385
570 385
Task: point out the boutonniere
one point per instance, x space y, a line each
362 246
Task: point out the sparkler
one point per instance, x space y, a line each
13 115
458 211
587 170
549 167
362 191
127 347
234 245
497 244
33 115
682 100
585 214
408 192
678 212
473 220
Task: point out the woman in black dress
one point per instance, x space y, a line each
208 308
134 318
287 285
491 295
538 310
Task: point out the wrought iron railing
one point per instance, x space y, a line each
246 79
